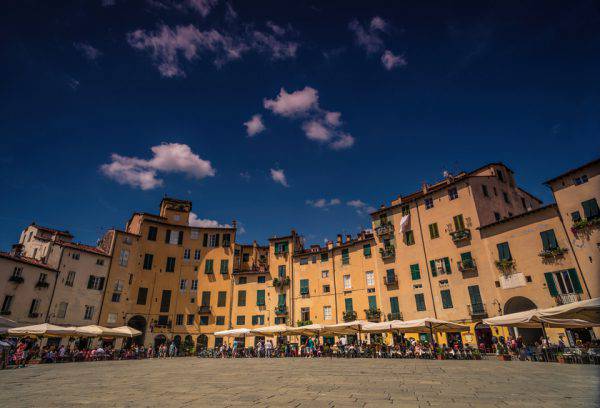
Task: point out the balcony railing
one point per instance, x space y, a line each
16 279
349 316
385 228
301 323
162 325
461 235
280 283
467 265
477 310
209 272
387 252
548 254
390 280
252 271
506 266
204 309
281 310
42 284
373 315
395 316
566 298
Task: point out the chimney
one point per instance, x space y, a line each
339 239
17 250
329 245
425 188
348 238
234 224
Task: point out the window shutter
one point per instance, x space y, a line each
433 270
260 297
372 302
447 264
415 272
281 301
217 240
101 285
205 240
466 257
90 282
394 307
168 236
180 238
575 281
475 295
348 303
551 284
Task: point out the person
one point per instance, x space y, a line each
309 346
172 349
235 346
268 348
561 344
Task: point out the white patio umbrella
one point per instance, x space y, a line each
44 329
243 332
429 325
382 327
126 331
533 319
97 331
588 310
352 327
7 323
308 330
276 330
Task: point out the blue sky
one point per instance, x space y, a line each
377 98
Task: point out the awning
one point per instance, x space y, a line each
352 327
588 310
428 324
533 319
45 329
308 330
279 329
126 331
233 333
97 331
382 327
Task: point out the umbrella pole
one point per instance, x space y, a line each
547 342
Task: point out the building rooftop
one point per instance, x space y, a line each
52 230
26 260
576 169
514 217
83 247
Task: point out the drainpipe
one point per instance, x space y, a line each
335 292
426 263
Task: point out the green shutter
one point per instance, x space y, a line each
575 281
420 300
415 273
446 299
548 240
466 257
224 266
475 295
447 264
433 270
551 284
504 251
372 302
304 286
590 209
281 301
348 303
367 250
260 297
394 307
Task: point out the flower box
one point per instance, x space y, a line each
460 235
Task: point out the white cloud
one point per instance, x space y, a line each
323 203
194 221
168 158
278 176
202 6
369 38
278 30
343 141
333 118
361 207
293 104
108 3
168 46
391 61
89 52
245 175
378 23
315 130
255 125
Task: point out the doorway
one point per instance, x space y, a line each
521 304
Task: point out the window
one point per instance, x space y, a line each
123 257
241 298
89 312
261 279
116 297
245 257
170 264
281 248
428 203
590 209
213 240
505 196
327 313
182 284
415 272
348 305
190 319
95 282
549 240
194 286
345 256
372 302
260 297
165 301
504 251
326 288
258 320
224 266
179 320
433 231
226 242
563 282
347 282
205 299
420 301
324 257
367 250
6 305
99 262
452 193
197 255
221 299
186 253
174 237
409 237
111 318
580 180
394 306
152 233
242 280
475 296
459 222
70 278
42 278
485 190
74 255
446 299
303 261
17 272
208 267
497 216
142 296
203 320
500 175
281 271
440 266
370 278
220 321
34 308
240 320
62 310
281 300
325 274
304 289
405 209
148 258
194 234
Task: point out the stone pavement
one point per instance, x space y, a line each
302 383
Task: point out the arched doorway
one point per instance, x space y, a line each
202 342
139 323
484 335
159 340
177 341
521 304
188 345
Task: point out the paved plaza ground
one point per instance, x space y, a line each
314 383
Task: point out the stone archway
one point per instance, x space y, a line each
159 340
139 323
202 342
521 304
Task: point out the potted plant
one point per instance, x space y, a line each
439 353
476 354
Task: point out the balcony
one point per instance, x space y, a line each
461 235
349 316
16 279
585 224
42 284
251 271
552 254
304 291
506 266
467 265
390 280
387 252
373 315
386 228
301 323
395 316
204 309
281 310
477 310
280 283
566 298
161 325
